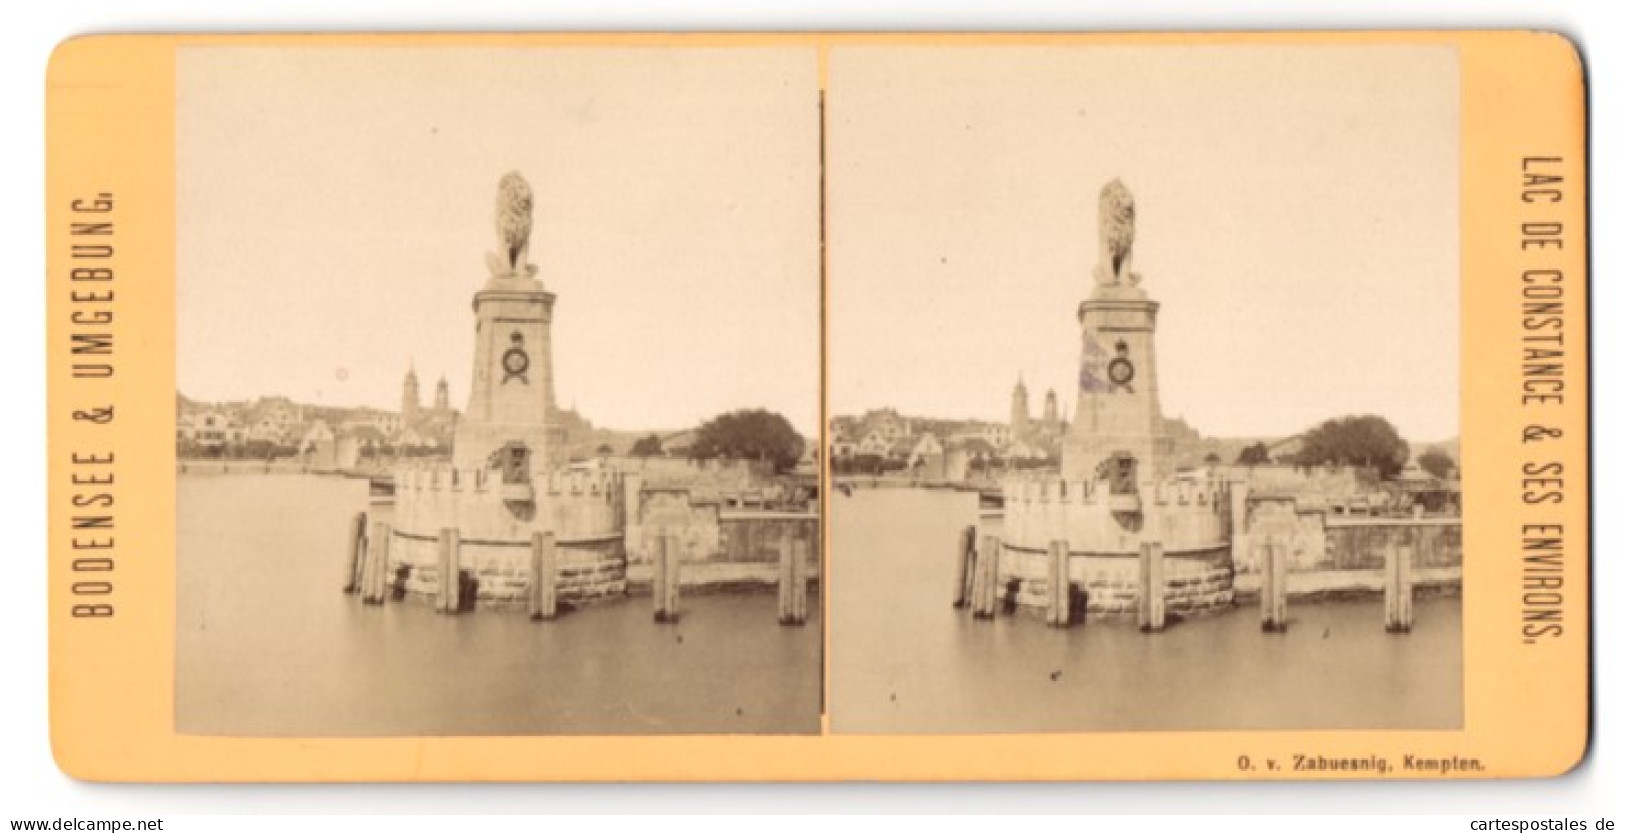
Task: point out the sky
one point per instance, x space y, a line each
1297 222
335 207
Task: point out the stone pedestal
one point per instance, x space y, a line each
1118 411
511 399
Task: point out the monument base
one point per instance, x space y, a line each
500 570
1196 581
1118 412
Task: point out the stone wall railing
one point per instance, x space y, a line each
443 477
204 466
1181 515
1051 489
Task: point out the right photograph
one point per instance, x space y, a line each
1143 388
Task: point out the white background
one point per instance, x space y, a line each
31 786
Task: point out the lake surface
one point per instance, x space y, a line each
268 645
904 660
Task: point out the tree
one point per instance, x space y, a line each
1256 454
604 450
1437 463
648 447
1211 459
1356 441
751 435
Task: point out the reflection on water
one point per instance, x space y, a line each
269 646
904 660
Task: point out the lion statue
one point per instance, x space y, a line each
1116 234
513 227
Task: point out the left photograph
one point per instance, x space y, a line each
498 395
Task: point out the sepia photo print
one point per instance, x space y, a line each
1144 389
499 391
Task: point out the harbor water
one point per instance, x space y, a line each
268 645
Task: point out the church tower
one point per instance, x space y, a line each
1020 415
409 397
511 399
1052 411
1117 430
442 396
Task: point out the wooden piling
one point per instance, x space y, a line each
1052 612
1266 586
978 579
1397 589
973 590
994 556
1407 585
386 536
533 594
674 570
1272 586
378 545
965 566
793 582
544 577
550 576
357 552
376 574
1153 601
786 576
804 556
454 562
1283 559
657 577
449 599
441 563
986 597
668 556
363 584
993 587
1060 585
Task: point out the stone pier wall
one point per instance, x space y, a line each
1196 581
588 569
585 511
606 527
722 549
1104 533
1331 554
1213 532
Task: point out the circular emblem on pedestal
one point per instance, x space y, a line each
516 362
1121 371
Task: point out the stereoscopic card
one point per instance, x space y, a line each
818 406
